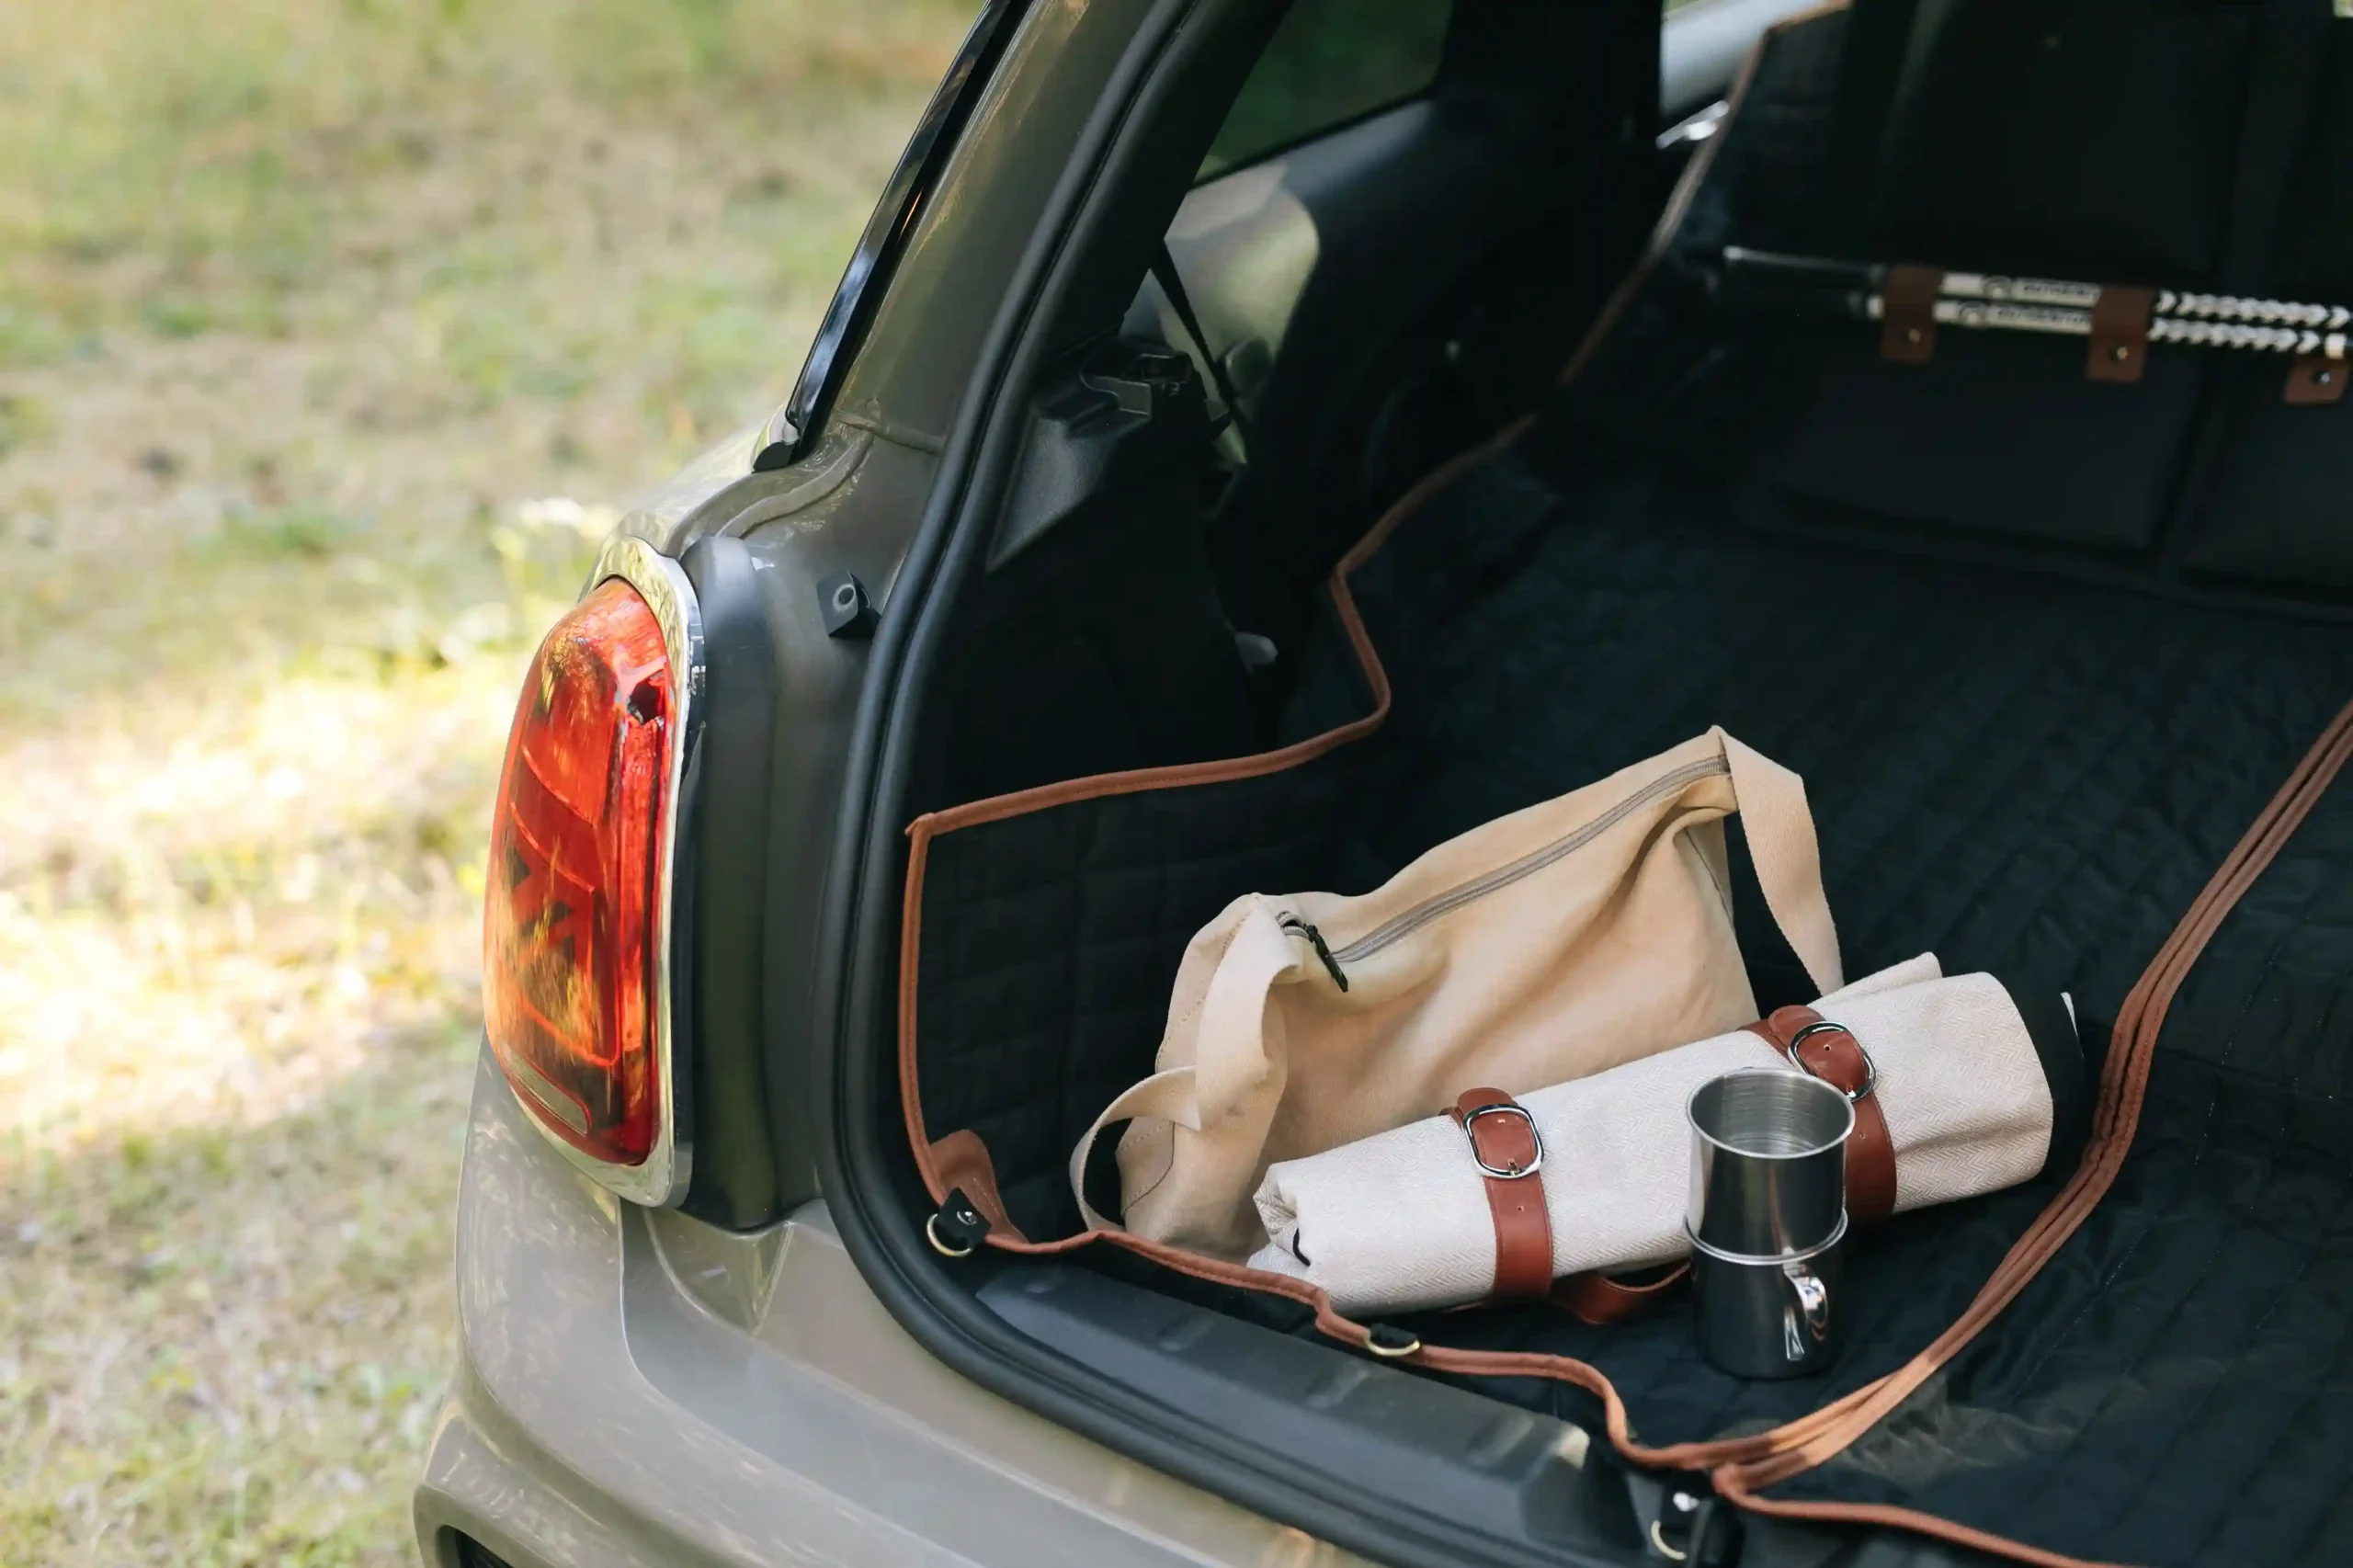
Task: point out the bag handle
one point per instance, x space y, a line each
1168 1095
1779 828
1771 800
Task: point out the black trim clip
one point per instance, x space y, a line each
842 600
1696 1528
958 1228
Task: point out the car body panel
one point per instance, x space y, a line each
638 1388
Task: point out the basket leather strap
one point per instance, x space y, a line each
1834 1055
2120 343
1601 1300
1503 1141
1907 333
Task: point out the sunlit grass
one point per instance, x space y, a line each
304 305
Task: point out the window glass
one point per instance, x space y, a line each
1330 62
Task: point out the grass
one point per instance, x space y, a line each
307 307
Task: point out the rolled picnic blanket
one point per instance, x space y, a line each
1969 1083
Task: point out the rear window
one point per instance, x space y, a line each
1330 62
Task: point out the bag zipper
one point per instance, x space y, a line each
1298 927
1502 877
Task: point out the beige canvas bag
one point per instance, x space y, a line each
1590 931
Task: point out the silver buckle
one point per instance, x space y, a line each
1870 1068
1511 1173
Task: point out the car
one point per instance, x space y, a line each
1253 444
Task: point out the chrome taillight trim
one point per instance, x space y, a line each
660 1179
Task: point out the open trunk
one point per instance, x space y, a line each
2061 659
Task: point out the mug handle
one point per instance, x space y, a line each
1813 1308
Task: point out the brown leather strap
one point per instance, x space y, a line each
1832 1054
1503 1139
2120 333
2313 381
1594 1298
1907 332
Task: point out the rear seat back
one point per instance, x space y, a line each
2199 144
2278 507
2071 138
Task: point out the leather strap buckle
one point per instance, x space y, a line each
1843 1064
1505 1146
1511 1169
1870 1068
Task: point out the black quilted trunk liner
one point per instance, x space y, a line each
2024 765
2020 775
2017 774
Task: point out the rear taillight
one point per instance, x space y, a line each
578 927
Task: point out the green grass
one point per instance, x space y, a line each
267 166
307 308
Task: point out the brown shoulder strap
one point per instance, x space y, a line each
1505 1144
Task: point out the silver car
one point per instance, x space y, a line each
1168 304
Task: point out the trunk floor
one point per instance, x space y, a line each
2024 758
2021 772
2018 773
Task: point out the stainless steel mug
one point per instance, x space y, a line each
1770 1317
1766 1217
1768 1162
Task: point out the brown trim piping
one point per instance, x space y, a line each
1883 1515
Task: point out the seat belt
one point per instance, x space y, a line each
1172 283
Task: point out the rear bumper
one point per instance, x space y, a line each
636 1388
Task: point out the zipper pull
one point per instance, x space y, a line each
1298 927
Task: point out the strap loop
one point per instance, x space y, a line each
1908 333
1506 1147
1844 1082
1830 1052
958 1228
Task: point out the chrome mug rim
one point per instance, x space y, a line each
1799 1074
1838 1234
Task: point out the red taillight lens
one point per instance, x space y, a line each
573 915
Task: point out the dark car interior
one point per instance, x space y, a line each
2042 645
